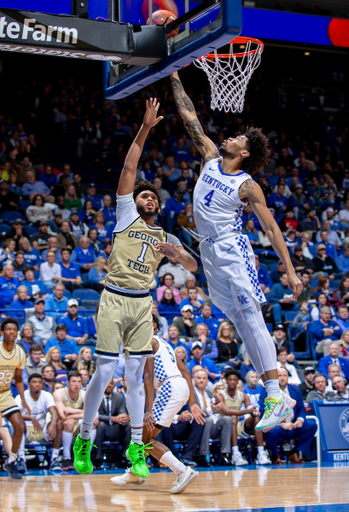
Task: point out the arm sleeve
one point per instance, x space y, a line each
126 211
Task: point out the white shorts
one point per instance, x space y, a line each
169 399
230 270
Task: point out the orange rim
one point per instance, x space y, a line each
238 40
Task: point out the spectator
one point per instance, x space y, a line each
98 223
8 199
324 331
296 427
343 316
167 304
193 301
81 190
48 177
323 287
163 193
36 288
344 214
108 211
97 274
197 351
55 224
330 249
93 323
186 220
308 292
278 201
190 282
19 265
334 370
35 362
38 211
324 263
308 384
181 353
65 238
344 344
343 260
186 324
71 200
209 345
84 361
282 354
18 306
87 212
91 194
206 318
276 274
53 246
32 257
263 276
251 233
114 424
56 302
95 243
83 255
177 270
48 375
339 386
163 324
50 272
54 358
252 389
246 367
334 358
77 329
307 245
26 338
319 392
70 271
215 426
8 285
85 379
44 326
281 296
333 237
7 251
279 337
311 222
227 345
77 227
300 263
174 341
168 282
32 187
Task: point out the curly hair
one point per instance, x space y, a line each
146 185
257 145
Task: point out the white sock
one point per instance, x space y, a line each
235 449
54 453
21 448
67 441
273 388
85 431
260 449
173 463
93 435
12 457
136 435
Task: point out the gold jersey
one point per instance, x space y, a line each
233 404
78 403
9 362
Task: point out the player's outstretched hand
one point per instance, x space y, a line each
149 421
198 414
295 284
150 117
168 250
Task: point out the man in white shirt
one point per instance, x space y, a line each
37 429
177 270
344 214
334 370
338 385
282 363
50 272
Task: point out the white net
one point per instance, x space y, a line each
229 75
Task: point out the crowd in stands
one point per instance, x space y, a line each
56 238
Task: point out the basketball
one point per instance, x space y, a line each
163 17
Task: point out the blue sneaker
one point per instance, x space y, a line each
21 465
12 470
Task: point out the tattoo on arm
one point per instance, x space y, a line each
182 100
246 186
215 154
196 132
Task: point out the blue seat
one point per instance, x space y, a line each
314 283
274 267
289 317
67 294
334 284
24 203
36 274
12 216
85 294
4 228
270 327
31 230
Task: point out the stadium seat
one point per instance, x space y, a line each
314 283
36 274
31 230
86 294
4 228
24 203
270 327
67 294
334 284
10 217
274 267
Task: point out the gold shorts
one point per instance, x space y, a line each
8 405
127 320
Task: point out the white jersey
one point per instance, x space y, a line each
39 408
217 206
165 364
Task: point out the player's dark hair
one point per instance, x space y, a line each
35 348
72 374
257 145
146 185
156 321
9 321
35 376
232 371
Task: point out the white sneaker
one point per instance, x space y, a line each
290 402
262 459
127 478
238 459
184 480
275 412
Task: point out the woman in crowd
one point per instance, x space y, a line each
323 287
54 358
323 301
38 211
343 290
13 185
56 385
252 234
9 247
251 388
217 388
167 281
344 344
27 338
87 212
163 323
71 200
98 273
32 256
98 223
181 353
168 304
228 350
84 361
93 236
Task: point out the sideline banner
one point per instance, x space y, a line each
334 429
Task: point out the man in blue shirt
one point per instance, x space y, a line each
108 211
70 271
343 260
52 246
91 194
324 331
84 255
263 276
34 286
278 201
21 303
330 248
173 208
8 285
68 348
281 296
343 318
174 341
56 303
207 318
77 328
180 151
207 364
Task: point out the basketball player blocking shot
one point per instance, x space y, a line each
125 307
223 189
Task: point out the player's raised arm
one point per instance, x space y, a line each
186 110
129 172
253 193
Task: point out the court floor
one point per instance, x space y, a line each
288 489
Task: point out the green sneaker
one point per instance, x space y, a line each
82 457
136 454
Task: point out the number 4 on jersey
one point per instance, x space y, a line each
208 198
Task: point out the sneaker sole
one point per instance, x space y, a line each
9 473
79 471
114 480
182 488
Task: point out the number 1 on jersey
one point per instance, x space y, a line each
143 251
208 198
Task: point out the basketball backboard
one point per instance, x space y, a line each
204 26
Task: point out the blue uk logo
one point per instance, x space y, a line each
243 299
344 424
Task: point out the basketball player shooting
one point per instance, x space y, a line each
221 192
124 314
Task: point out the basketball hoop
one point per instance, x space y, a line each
229 73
